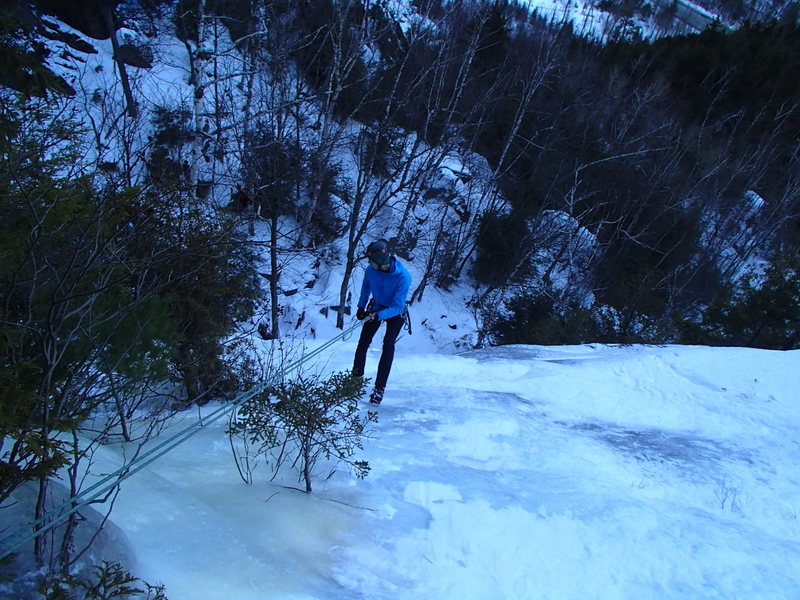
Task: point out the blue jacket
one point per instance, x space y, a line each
389 290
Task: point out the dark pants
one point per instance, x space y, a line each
368 331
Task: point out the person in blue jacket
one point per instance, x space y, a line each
387 281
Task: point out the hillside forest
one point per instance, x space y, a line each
612 189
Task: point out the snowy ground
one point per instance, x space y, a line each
515 473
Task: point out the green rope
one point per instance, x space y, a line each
92 493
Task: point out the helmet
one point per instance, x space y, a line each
378 252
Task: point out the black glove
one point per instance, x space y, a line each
361 314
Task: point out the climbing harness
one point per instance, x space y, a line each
406 315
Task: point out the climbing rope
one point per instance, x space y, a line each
61 513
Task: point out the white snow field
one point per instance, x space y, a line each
518 472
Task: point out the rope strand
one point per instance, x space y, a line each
95 491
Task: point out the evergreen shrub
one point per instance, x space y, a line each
535 320
301 421
763 313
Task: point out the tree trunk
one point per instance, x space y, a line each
108 14
198 60
306 450
275 279
348 272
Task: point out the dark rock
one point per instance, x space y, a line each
136 56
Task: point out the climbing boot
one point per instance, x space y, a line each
376 396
